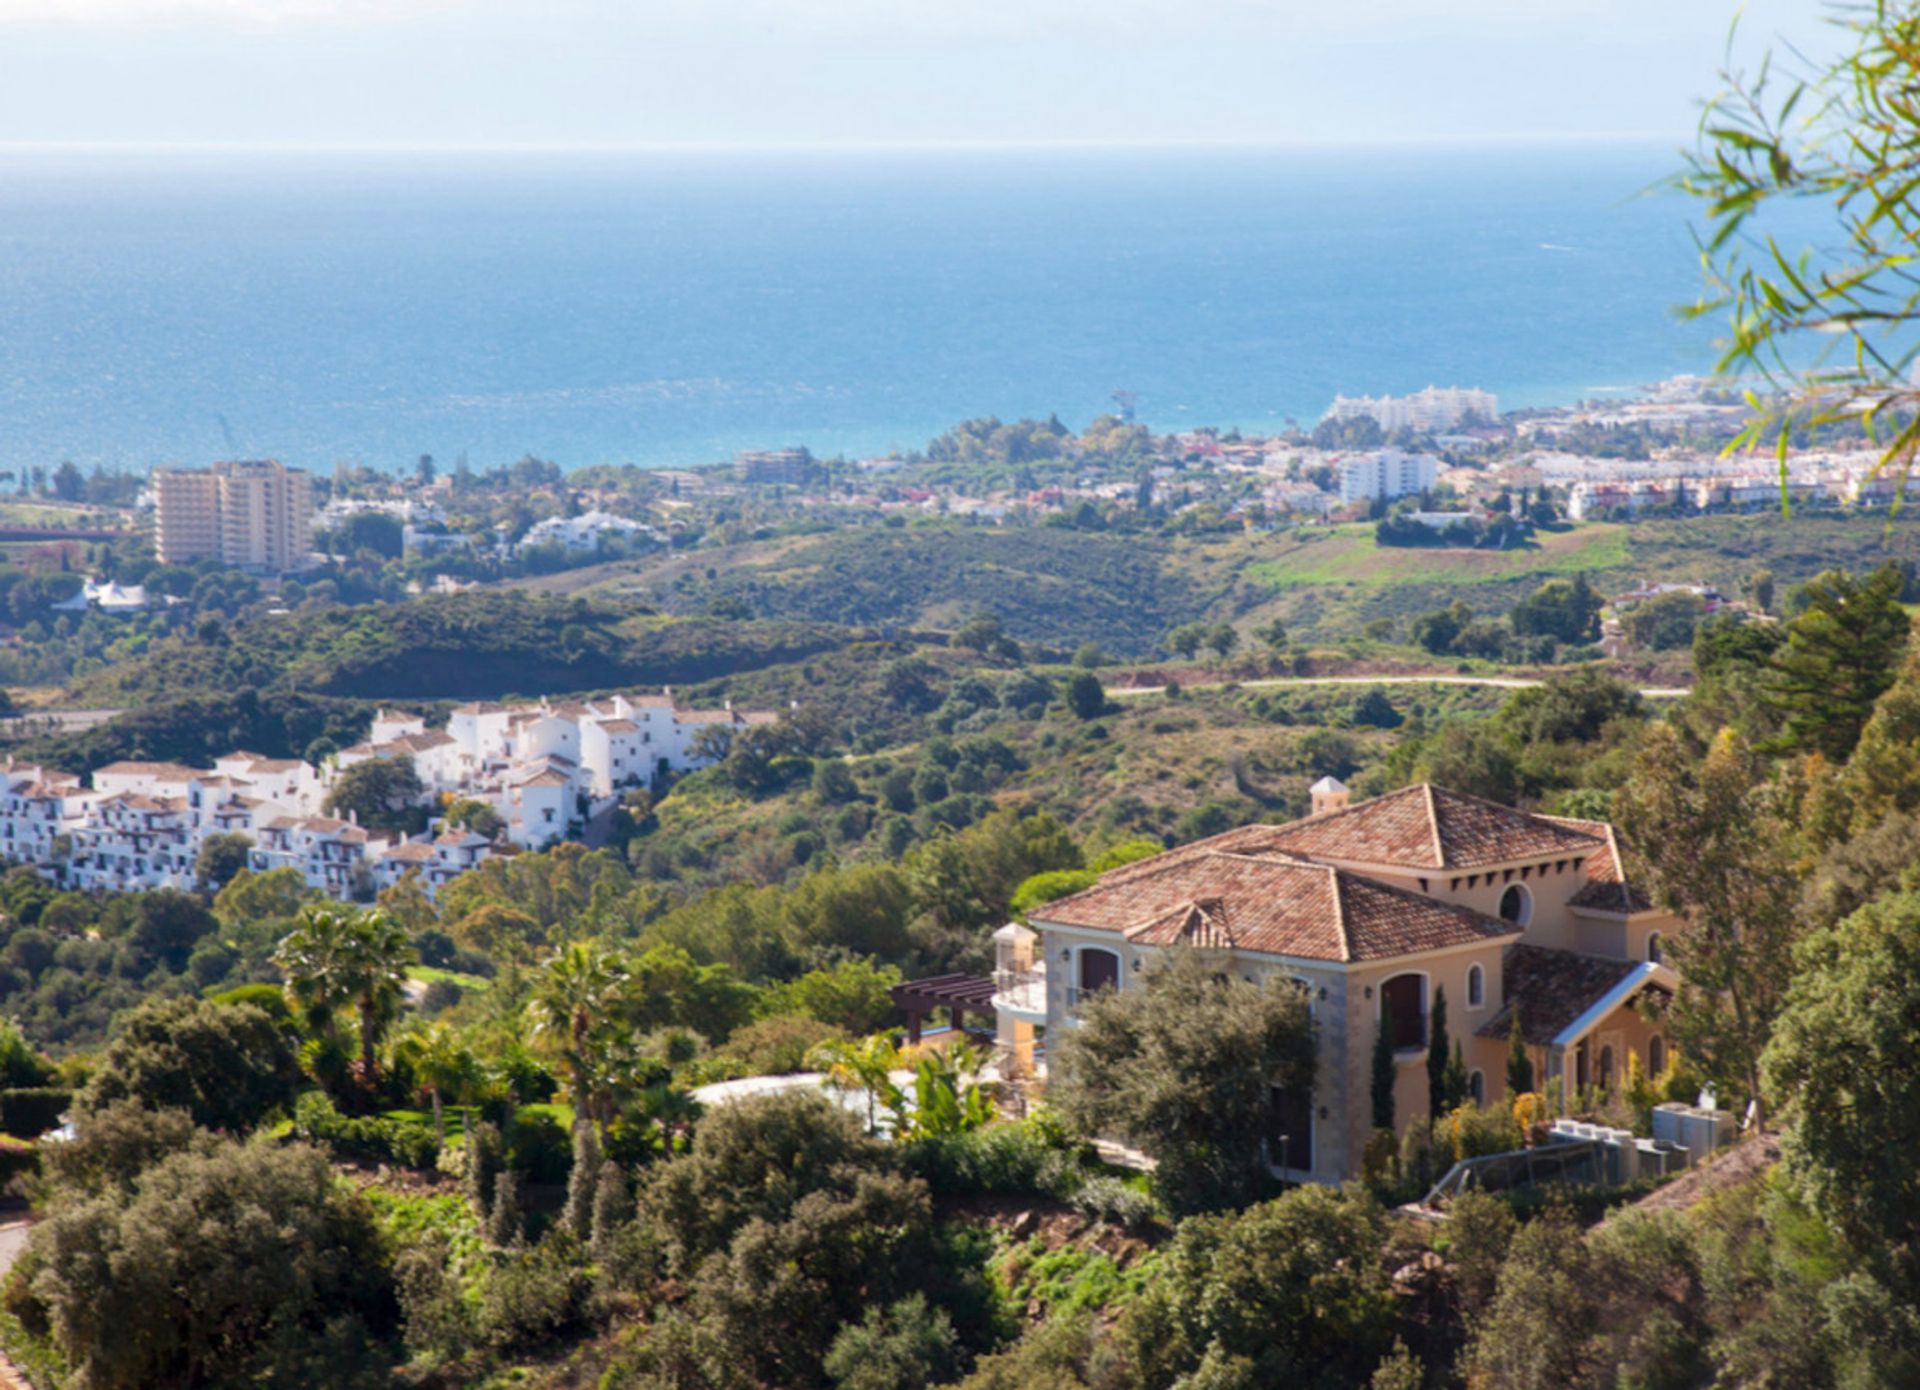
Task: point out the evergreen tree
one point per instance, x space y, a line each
612 1209
1519 1060
483 1166
1459 1084
503 1221
1384 1071
1438 1050
1842 653
584 1181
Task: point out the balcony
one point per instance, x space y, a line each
1021 994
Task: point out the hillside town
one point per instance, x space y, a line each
546 770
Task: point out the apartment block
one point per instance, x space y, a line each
1386 473
255 515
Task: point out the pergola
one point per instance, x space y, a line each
955 993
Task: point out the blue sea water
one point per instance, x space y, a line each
670 308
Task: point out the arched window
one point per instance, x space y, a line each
1476 987
1098 970
1656 1055
1403 1006
1653 947
1477 1086
1516 905
1606 1071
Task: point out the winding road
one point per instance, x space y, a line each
1122 692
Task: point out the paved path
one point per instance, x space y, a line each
1121 692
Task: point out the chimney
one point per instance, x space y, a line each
1329 795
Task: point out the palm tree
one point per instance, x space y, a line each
864 1066
334 958
579 991
446 1067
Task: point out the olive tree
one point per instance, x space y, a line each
1184 1064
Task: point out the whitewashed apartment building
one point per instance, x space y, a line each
545 768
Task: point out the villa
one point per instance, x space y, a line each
1372 908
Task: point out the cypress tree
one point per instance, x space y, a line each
1438 1051
612 1209
1459 1084
1519 1060
584 1180
503 1222
483 1166
1384 1072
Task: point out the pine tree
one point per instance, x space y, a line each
1842 652
1385 1070
1438 1051
503 1221
1519 1060
584 1180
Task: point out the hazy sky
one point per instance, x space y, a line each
486 72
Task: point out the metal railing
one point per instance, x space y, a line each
1576 1160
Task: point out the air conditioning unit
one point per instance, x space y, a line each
1697 1130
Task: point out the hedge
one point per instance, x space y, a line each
28 1112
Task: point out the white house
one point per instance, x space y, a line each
584 532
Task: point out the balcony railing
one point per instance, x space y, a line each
1022 990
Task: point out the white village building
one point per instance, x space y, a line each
547 769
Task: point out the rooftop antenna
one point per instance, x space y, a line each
1126 400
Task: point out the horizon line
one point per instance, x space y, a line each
183 147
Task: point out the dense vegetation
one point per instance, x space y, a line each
478 1131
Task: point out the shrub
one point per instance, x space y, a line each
532 1295
1112 1200
368 1137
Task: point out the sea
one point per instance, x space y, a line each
668 308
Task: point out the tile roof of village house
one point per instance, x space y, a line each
1272 904
1429 827
1551 989
165 772
1607 888
273 765
620 726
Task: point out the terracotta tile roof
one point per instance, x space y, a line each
420 743
1551 989
164 772
1607 888
1429 827
1272 904
620 726
650 701
411 854
265 765
479 707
